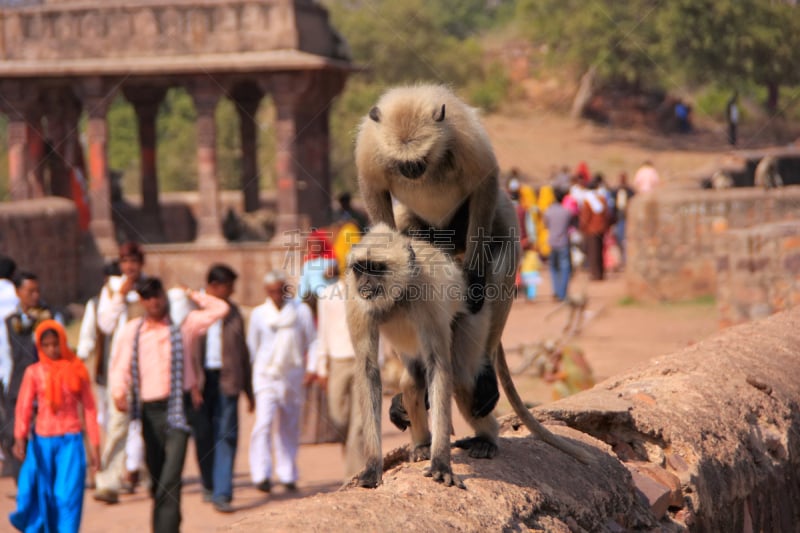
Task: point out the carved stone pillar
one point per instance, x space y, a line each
248 129
288 92
56 152
302 101
71 142
36 161
146 101
97 98
18 159
16 103
209 224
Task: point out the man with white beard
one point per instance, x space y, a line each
279 336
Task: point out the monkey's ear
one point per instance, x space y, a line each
439 116
375 114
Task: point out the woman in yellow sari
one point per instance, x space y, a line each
546 197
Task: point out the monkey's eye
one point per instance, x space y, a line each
370 268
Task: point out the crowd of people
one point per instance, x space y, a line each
576 220
156 366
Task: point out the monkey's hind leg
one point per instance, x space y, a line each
414 401
368 392
440 379
476 388
483 445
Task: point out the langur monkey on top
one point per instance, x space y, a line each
412 293
426 148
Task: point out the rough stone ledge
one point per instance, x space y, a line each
706 439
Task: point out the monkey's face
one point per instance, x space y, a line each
412 133
380 268
370 278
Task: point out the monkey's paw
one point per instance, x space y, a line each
398 414
479 447
475 300
442 473
370 477
486 394
420 453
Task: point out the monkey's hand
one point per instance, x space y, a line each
479 447
442 473
370 477
421 452
398 414
476 291
486 394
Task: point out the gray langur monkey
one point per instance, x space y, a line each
426 148
412 293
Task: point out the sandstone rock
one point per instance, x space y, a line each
720 436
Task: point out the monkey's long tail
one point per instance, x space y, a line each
528 419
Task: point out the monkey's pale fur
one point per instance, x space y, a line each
428 149
412 293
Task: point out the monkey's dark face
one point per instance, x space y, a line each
380 268
370 278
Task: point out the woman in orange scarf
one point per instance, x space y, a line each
50 487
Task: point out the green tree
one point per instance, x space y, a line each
619 39
736 41
123 143
407 42
177 142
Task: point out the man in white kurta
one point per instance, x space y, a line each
279 336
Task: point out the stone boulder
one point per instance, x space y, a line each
706 439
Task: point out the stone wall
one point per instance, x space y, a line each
673 236
103 29
43 237
179 213
188 264
758 271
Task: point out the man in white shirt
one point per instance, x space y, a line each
8 304
94 347
335 369
279 335
123 450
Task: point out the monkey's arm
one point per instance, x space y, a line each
367 382
379 205
482 207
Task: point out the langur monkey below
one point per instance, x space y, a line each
413 294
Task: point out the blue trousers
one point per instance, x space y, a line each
50 485
216 431
560 270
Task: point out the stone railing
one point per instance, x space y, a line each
42 237
106 29
758 271
672 236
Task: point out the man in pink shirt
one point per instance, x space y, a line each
151 358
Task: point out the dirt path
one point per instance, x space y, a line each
618 337
537 142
